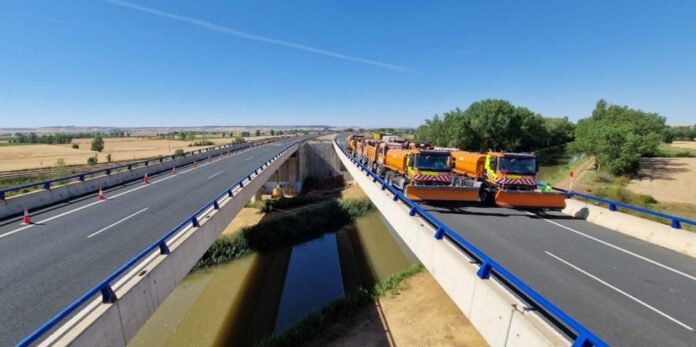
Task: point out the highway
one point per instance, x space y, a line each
627 291
74 245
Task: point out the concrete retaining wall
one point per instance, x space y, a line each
15 205
146 286
679 240
319 160
498 315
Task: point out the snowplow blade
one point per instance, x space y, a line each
530 199
435 193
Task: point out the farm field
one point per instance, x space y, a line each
18 157
667 179
684 144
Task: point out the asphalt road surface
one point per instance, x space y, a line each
74 245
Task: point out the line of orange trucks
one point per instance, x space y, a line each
424 173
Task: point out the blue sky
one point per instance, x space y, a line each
364 63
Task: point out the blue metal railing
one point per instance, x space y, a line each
487 266
104 287
613 206
47 184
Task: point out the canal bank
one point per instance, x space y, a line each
264 290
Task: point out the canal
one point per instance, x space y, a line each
264 293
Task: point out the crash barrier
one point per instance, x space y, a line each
487 266
85 183
163 246
614 206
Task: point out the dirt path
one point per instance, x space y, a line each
420 315
580 173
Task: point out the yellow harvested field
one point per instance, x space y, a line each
127 148
667 179
684 144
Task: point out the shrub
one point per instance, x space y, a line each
108 158
179 152
75 146
92 160
98 143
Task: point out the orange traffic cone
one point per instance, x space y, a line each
27 219
194 164
173 170
146 180
101 194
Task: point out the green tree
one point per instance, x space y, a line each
560 131
487 124
258 132
272 132
618 136
182 136
98 143
190 136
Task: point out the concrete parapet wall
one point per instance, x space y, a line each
15 205
499 316
146 286
680 240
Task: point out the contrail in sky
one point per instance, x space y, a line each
248 36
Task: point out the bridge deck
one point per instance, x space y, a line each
76 244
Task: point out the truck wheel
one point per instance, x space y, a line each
486 197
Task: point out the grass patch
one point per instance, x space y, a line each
316 323
284 231
665 150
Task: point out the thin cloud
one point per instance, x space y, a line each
248 36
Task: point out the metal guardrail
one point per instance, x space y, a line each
104 287
613 206
47 184
488 266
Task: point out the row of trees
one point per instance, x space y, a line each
496 125
61 138
617 136
681 133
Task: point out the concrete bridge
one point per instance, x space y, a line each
90 272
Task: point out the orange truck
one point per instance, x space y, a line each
503 178
421 173
368 153
353 141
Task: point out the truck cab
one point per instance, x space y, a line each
514 171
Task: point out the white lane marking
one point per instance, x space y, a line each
117 223
620 291
213 175
693 278
249 158
96 202
50 219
